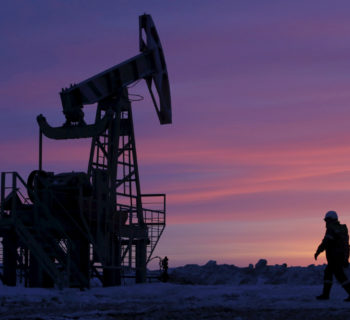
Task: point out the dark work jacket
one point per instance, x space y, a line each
336 243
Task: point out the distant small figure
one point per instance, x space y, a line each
336 245
164 277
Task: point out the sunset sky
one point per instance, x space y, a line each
259 148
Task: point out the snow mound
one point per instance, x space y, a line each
211 274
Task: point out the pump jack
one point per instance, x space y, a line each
62 229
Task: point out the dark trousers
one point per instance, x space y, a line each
337 270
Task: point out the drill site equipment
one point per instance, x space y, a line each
62 229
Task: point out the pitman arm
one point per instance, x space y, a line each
75 132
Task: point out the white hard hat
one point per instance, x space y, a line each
331 215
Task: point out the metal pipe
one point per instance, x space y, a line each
2 195
40 149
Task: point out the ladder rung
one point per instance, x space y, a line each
126 195
99 165
126 164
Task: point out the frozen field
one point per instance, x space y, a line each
259 300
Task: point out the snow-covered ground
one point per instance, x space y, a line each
215 292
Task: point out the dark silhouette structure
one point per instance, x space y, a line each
62 229
164 265
336 245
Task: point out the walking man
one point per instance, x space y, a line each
336 245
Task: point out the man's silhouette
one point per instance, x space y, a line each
164 266
336 245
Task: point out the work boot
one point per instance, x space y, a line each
347 289
326 290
